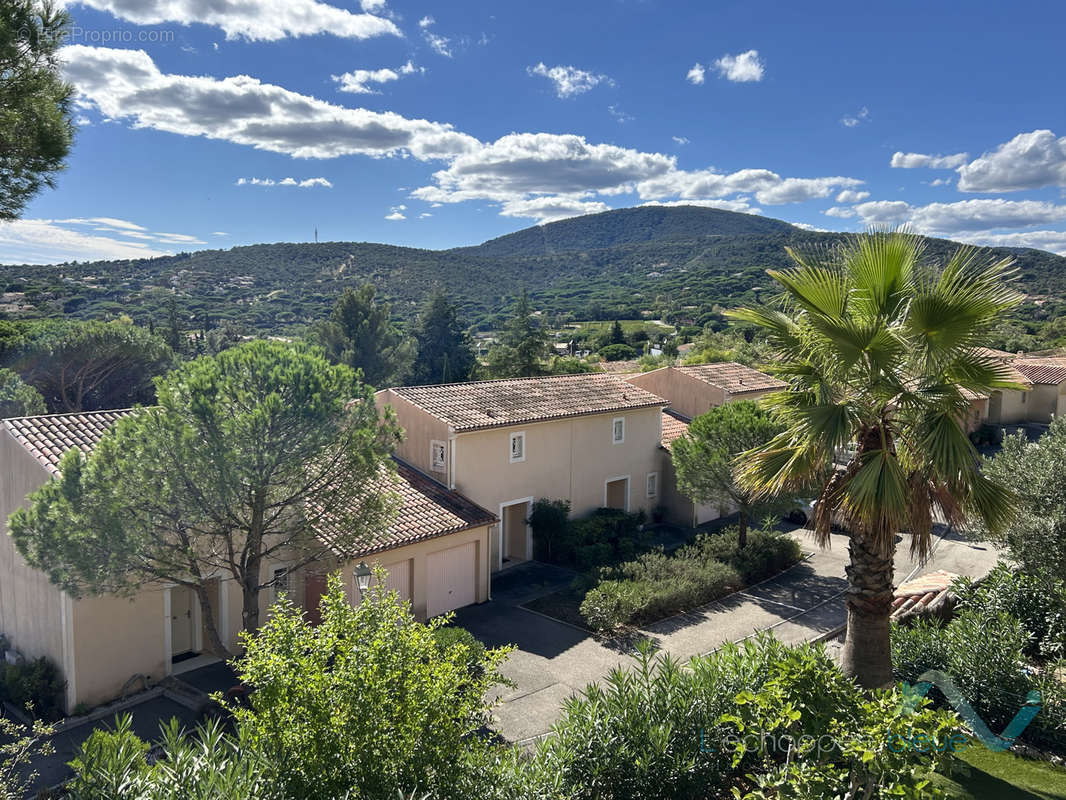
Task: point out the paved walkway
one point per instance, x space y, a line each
553 660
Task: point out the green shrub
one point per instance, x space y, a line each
617 352
766 553
664 730
37 683
1038 602
549 521
607 535
654 586
452 636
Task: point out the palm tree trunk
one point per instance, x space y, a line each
867 655
742 527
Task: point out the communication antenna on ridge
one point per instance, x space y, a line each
316 234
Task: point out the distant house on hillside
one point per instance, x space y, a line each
1043 396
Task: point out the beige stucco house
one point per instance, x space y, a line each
436 553
694 390
591 439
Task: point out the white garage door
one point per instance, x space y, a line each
399 579
451 577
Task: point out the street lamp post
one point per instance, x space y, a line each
363 574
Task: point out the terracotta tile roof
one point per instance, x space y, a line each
513 401
918 595
48 437
673 426
971 395
1041 370
733 378
427 510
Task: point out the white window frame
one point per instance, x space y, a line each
614 429
510 444
651 484
284 586
434 446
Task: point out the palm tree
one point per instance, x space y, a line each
877 347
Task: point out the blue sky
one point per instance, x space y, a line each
443 124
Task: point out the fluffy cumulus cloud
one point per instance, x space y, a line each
851 196
551 208
697 75
768 187
741 204
127 85
741 68
306 183
570 81
396 213
916 160
965 218
51 241
1028 161
856 119
1054 241
358 81
263 20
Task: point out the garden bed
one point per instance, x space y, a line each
657 585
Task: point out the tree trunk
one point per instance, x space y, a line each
867 654
742 528
214 642
250 605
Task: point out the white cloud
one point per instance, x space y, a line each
940 182
1028 161
441 45
681 140
741 204
356 81
962 217
808 227
372 6
569 81
52 241
852 120
396 213
424 214
1053 241
768 187
262 20
851 196
918 160
741 68
306 183
697 75
219 233
620 115
126 84
550 209
840 212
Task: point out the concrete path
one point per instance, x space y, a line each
553 660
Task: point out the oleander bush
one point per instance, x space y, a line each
767 552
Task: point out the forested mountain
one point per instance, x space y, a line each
618 264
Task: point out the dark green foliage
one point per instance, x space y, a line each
671 731
1036 538
617 352
1037 601
655 586
16 398
445 351
360 334
87 366
607 535
451 637
549 520
766 553
37 684
35 102
523 345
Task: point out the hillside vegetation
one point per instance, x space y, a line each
680 261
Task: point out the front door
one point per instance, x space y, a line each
616 494
314 588
515 532
181 621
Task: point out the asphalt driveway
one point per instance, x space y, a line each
553 660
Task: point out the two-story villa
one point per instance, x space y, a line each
591 439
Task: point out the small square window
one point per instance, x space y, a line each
618 430
518 447
653 484
282 582
438 456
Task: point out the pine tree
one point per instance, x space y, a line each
445 352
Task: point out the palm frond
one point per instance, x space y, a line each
882 269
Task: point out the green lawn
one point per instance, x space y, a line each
1004 776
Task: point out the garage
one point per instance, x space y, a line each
399 579
451 579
